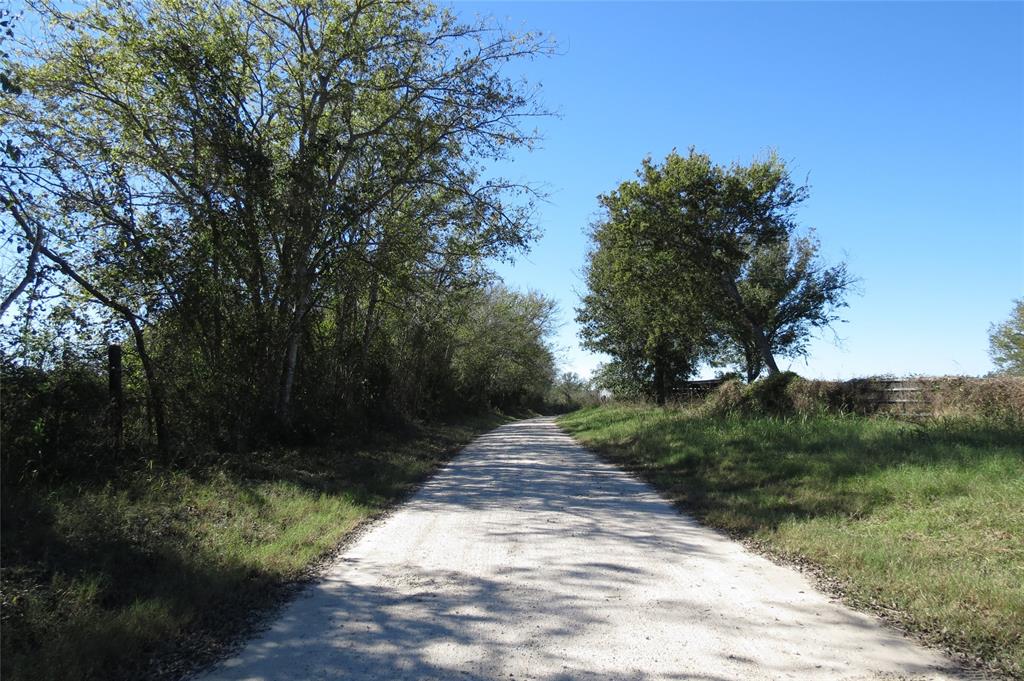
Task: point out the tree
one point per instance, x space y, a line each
501 355
633 309
789 293
1006 342
10 158
569 386
694 260
255 187
711 219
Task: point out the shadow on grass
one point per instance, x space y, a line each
100 577
89 606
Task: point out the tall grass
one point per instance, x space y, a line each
924 522
101 579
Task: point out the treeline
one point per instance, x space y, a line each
695 262
277 207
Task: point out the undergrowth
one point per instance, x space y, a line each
101 578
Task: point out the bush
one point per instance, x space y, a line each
725 399
53 421
812 397
1000 398
768 396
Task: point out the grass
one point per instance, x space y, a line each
921 522
108 580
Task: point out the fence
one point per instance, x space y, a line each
999 396
905 397
699 389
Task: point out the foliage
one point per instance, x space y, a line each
1006 342
500 357
570 392
998 399
52 421
695 261
623 381
922 522
789 293
279 207
770 395
634 310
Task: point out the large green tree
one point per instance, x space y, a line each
249 185
704 261
634 310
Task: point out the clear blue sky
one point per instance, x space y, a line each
907 118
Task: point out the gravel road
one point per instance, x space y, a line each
528 558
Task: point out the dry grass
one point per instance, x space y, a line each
1000 398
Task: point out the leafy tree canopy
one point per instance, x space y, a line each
279 203
1006 342
696 261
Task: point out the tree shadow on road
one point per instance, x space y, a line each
584 604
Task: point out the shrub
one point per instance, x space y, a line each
770 395
725 399
811 397
767 396
998 397
53 421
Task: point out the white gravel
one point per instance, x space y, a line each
528 558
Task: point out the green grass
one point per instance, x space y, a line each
923 522
100 580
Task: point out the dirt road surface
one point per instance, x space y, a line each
528 558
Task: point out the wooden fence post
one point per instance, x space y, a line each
116 395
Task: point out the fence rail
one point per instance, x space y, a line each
697 389
899 396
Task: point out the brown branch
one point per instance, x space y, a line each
30 270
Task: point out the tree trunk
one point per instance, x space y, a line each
752 373
284 411
30 272
659 382
295 326
750 355
155 390
116 393
368 327
756 330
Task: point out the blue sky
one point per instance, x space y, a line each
906 118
